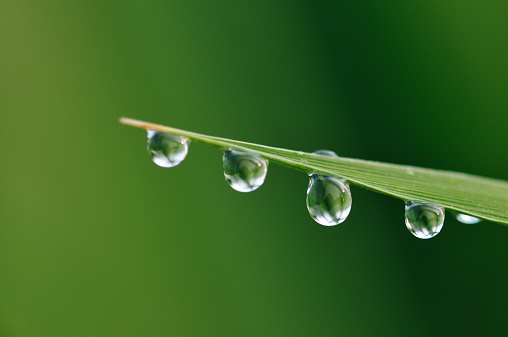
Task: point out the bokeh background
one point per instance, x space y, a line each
95 240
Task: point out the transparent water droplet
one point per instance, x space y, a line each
166 150
328 199
467 219
327 153
244 172
424 220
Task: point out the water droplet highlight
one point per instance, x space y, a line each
326 153
166 150
328 199
244 172
467 219
424 220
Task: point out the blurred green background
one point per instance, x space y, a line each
95 240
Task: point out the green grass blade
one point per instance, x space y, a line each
481 197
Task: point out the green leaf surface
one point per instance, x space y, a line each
477 196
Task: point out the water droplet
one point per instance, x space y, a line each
244 172
424 220
166 150
328 199
467 219
326 153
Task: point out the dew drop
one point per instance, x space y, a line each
424 220
328 199
467 219
326 153
166 150
244 172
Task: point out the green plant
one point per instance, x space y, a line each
481 197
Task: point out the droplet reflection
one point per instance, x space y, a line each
328 199
424 220
166 150
244 172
